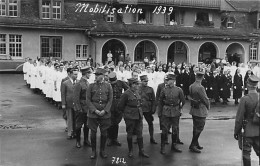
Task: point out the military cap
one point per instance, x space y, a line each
132 80
200 71
171 77
144 78
100 71
86 69
253 80
112 77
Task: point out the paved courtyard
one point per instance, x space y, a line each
32 134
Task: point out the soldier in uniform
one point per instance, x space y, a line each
116 116
244 119
68 99
158 92
130 105
200 105
81 108
99 101
171 101
148 105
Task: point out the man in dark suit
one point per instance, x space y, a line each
199 109
81 108
99 101
68 100
244 119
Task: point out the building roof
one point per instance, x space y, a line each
245 5
133 30
215 4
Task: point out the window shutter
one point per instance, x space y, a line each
167 18
150 14
134 18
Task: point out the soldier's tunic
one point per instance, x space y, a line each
245 112
130 105
169 107
116 115
99 97
81 108
148 103
158 92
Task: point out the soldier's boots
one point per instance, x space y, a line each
163 140
166 139
93 146
130 147
102 146
141 148
151 131
78 133
194 149
246 162
152 141
173 147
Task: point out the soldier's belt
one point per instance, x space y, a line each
100 102
132 106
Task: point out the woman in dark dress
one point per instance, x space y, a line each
237 86
248 74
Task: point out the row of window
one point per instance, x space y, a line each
52 9
51 46
49 9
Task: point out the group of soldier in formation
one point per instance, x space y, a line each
102 96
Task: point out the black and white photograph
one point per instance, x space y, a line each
129 82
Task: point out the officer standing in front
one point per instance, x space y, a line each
81 108
171 101
116 116
130 105
200 106
148 105
244 119
99 101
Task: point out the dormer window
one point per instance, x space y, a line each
143 18
51 9
111 17
9 8
203 19
171 19
230 22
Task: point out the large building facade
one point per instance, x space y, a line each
189 31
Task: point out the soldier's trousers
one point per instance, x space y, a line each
103 124
70 121
198 126
248 143
134 125
167 123
112 131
